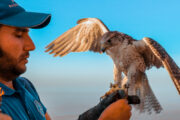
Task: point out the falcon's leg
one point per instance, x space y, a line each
133 74
117 75
117 82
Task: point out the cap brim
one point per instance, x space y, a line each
27 19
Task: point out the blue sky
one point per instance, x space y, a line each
90 73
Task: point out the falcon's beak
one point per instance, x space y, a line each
103 49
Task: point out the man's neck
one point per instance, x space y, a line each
8 83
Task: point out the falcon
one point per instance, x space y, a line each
131 57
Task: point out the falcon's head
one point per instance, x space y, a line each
113 38
110 39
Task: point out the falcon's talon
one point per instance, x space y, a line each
126 86
113 88
111 85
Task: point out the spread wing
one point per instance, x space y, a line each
83 37
165 59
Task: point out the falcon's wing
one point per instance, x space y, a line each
166 60
83 37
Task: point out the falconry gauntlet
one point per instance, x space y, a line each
95 112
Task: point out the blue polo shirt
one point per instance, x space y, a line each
23 103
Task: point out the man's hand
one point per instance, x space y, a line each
113 105
119 110
4 117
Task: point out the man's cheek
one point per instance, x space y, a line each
13 47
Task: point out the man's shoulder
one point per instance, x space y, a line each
24 81
28 85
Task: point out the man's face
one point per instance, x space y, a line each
15 44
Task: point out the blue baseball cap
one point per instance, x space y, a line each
12 14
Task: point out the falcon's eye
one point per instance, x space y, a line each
109 41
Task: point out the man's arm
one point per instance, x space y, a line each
4 117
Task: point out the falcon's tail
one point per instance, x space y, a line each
149 102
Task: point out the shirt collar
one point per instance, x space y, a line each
17 85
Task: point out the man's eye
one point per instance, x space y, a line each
18 36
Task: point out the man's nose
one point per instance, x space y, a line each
28 44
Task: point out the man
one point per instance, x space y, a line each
20 101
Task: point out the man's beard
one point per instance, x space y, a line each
8 67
